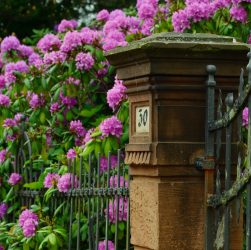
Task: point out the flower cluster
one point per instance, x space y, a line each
111 126
65 182
116 95
3 210
51 180
102 245
122 209
28 221
104 163
14 179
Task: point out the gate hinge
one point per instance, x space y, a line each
202 163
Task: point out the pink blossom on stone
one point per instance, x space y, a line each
180 21
14 179
249 39
239 13
111 126
146 11
51 180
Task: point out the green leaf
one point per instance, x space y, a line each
121 226
34 185
107 147
58 209
42 117
49 193
89 112
8 196
52 239
26 246
88 149
113 228
97 149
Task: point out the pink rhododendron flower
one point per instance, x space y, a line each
71 154
48 43
9 43
66 25
3 210
4 100
65 182
103 15
122 208
116 95
84 61
28 221
111 126
51 180
3 153
102 245
14 179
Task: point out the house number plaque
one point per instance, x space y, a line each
142 119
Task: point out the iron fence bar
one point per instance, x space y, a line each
209 150
98 205
107 202
229 103
89 204
248 205
79 203
117 201
218 151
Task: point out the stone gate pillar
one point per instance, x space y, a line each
165 75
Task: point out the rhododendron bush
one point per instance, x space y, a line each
65 95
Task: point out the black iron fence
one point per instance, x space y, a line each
93 207
227 164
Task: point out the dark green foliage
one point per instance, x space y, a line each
21 16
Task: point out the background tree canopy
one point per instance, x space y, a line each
21 16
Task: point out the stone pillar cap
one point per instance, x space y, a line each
182 41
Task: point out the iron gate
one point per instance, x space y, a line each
227 163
